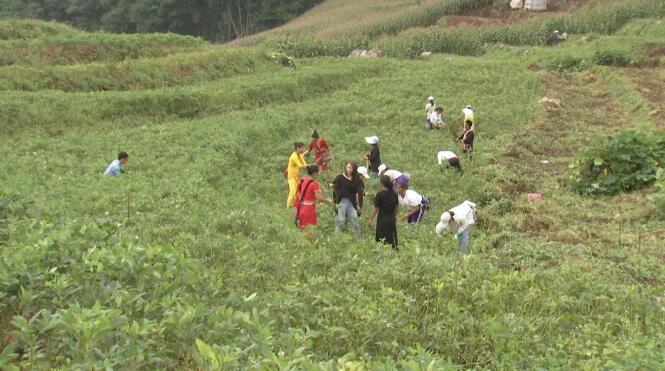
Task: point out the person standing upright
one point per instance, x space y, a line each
295 164
373 157
386 207
322 151
348 189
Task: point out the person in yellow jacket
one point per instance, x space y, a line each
296 162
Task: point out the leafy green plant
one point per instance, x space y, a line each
622 162
615 58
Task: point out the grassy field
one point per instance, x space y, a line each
190 260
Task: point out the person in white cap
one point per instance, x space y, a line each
459 220
450 157
395 176
429 108
373 157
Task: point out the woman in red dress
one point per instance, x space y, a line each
307 196
322 151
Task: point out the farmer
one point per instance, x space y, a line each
415 204
322 151
348 188
449 157
429 108
307 196
459 220
117 166
395 176
361 197
468 114
436 119
386 207
296 162
467 138
373 157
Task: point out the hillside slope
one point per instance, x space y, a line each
189 260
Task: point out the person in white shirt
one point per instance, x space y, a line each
395 176
429 107
459 220
450 157
415 204
436 119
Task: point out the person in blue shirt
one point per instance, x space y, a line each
116 166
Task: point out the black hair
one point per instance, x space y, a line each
439 109
354 172
468 122
312 169
386 182
454 162
298 145
122 155
315 134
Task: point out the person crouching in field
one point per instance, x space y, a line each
361 196
467 138
469 114
386 206
322 151
348 188
308 194
395 176
450 158
459 220
436 119
416 205
117 166
296 162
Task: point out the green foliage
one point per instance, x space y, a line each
145 73
93 47
658 197
614 58
623 162
15 29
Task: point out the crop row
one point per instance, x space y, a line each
472 41
93 47
146 73
54 109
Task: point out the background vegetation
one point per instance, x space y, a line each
189 260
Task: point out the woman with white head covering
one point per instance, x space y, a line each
459 220
468 114
429 108
450 157
397 177
364 175
373 157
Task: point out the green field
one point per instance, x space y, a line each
191 261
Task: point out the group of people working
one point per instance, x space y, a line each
434 119
348 188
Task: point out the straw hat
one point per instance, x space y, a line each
382 168
363 171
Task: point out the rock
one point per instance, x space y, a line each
550 103
425 55
363 53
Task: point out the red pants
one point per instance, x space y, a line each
306 216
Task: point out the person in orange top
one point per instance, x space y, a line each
296 162
322 151
308 195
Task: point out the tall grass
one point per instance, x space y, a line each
93 47
145 73
15 29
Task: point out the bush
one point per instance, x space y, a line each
615 58
623 162
19 29
659 197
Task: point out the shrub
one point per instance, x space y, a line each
659 197
623 162
19 29
615 58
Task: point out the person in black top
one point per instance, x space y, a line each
386 206
467 137
348 189
373 157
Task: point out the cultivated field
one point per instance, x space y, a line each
191 261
